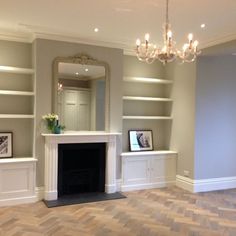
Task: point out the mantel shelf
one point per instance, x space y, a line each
12 92
16 70
147 80
147 117
155 99
16 116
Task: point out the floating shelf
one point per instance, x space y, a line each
11 92
155 99
16 116
16 70
147 117
147 80
147 153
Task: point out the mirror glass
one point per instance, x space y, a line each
81 95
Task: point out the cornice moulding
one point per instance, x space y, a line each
29 37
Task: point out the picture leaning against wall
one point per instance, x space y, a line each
140 140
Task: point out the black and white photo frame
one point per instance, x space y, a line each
5 144
140 140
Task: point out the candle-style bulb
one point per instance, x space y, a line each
190 37
147 36
195 43
138 42
169 34
185 47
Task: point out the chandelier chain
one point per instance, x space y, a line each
167 11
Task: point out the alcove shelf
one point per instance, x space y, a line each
147 118
147 105
154 99
16 116
17 93
17 99
17 160
146 80
16 70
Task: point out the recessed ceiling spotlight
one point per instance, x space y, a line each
77 73
96 30
86 69
203 26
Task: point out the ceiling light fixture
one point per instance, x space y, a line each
96 30
203 26
149 52
86 69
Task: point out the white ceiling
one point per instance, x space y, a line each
120 21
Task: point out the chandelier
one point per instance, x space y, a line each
149 52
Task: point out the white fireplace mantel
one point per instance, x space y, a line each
51 157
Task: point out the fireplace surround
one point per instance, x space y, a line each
52 141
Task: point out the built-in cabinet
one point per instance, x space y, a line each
17 98
142 170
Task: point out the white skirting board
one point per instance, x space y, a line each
205 185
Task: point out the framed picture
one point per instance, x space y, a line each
5 144
140 140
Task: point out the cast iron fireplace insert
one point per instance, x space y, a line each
81 168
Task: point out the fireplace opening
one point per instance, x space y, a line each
81 168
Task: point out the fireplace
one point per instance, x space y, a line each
81 168
52 143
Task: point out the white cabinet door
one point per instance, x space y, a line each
163 169
136 171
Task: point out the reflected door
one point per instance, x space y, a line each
76 109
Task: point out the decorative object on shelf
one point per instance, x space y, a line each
58 129
51 120
140 140
5 144
149 52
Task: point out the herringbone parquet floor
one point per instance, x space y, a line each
166 211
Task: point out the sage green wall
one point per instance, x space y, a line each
17 54
45 51
183 112
134 67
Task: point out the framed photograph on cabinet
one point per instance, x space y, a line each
140 140
5 144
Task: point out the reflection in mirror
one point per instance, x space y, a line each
81 96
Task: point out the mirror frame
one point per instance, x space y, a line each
82 59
